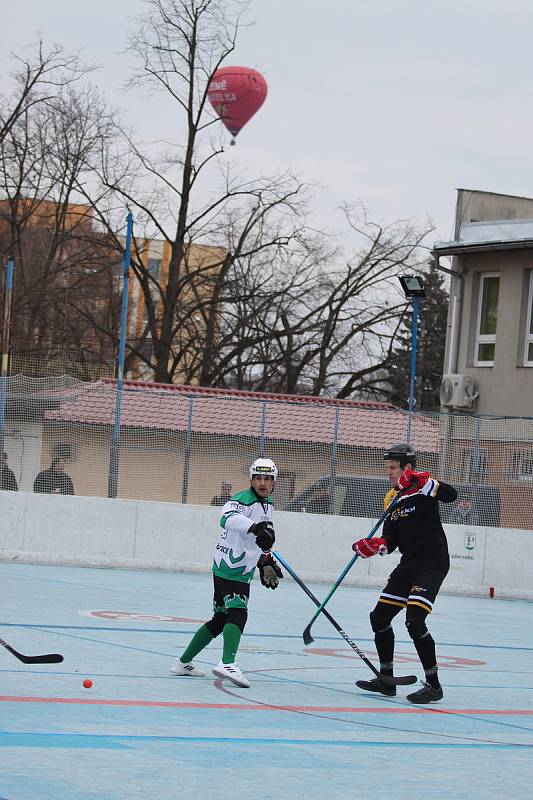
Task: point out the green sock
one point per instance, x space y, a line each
201 639
232 636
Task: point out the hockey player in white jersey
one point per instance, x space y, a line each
245 541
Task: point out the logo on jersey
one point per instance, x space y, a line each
402 513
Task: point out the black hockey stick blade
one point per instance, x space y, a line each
46 658
401 680
307 635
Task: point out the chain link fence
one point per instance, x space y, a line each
186 445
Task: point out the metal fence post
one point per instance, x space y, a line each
333 468
5 351
112 482
188 453
262 430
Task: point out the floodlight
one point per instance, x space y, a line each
412 286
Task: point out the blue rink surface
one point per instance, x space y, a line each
303 729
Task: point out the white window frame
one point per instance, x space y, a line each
483 338
522 465
528 339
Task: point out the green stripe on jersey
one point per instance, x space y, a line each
233 574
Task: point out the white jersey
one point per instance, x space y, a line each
236 553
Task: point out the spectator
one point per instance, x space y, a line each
225 494
320 502
54 480
464 513
7 476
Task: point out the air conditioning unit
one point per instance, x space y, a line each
457 391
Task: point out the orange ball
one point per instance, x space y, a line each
87 683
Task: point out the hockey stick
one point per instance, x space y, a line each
401 681
47 658
307 632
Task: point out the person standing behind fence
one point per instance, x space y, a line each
7 476
244 544
54 480
225 494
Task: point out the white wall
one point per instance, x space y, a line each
94 531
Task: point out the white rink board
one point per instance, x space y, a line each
95 531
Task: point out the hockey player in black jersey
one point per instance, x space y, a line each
415 528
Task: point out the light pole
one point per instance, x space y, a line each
6 332
414 291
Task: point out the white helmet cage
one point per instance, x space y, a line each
264 466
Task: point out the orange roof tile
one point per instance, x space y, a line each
217 412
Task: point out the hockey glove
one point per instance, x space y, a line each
411 481
264 535
365 548
269 571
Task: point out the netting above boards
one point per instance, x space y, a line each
187 445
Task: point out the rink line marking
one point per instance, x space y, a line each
103 628
260 707
126 741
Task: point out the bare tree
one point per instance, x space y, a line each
37 80
64 282
310 320
179 45
253 297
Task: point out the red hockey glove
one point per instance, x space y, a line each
269 571
411 481
370 547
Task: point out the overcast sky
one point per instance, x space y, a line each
394 103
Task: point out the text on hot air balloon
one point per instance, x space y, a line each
222 97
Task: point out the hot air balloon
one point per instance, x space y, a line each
236 93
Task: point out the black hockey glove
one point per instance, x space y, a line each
269 571
264 535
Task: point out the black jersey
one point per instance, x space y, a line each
415 528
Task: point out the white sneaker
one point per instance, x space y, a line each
232 672
178 668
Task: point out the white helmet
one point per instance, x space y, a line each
264 466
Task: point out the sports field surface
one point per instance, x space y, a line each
303 729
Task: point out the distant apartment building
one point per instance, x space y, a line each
67 289
199 265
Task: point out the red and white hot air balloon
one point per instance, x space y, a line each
236 93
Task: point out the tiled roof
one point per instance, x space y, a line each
217 412
206 391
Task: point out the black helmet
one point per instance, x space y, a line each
404 453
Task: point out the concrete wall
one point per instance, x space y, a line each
97 532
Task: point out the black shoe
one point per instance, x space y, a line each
375 685
427 694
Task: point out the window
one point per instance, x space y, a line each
528 351
474 466
522 465
153 266
487 315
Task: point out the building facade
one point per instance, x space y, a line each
488 366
